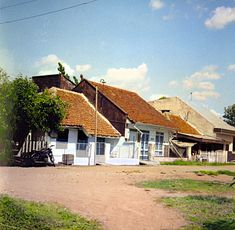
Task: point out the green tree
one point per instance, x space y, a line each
229 114
35 111
6 107
48 112
23 109
61 70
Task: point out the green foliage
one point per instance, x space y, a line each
48 112
161 98
76 81
181 162
19 214
61 69
205 212
36 111
215 173
6 114
197 186
22 109
24 96
229 114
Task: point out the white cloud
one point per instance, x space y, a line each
156 4
134 79
204 95
206 85
49 64
221 17
231 68
188 83
200 83
208 72
173 83
83 68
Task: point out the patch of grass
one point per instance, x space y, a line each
216 173
196 186
19 214
205 212
191 163
207 172
227 172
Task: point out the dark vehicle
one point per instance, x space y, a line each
41 157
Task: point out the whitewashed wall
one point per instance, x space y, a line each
72 149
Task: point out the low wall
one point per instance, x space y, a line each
122 161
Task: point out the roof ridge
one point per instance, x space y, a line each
64 90
115 87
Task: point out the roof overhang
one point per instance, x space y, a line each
157 126
201 138
86 133
224 131
183 144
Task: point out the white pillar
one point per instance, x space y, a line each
107 151
189 152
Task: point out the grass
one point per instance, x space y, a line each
25 215
191 163
188 185
205 212
216 173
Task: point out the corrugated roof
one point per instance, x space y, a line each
81 113
137 108
214 119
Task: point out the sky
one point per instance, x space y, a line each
156 48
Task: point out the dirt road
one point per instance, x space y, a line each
107 194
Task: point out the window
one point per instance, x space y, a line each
82 140
133 135
144 145
100 146
62 139
159 144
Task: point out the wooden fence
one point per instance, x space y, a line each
30 144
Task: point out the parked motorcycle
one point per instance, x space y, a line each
42 157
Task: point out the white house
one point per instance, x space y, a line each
86 142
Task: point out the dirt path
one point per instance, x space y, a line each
104 193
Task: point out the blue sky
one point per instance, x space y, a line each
154 47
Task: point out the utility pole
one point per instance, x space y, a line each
96 125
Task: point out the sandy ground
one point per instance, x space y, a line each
107 194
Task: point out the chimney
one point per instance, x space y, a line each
81 77
166 113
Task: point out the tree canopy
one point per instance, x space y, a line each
22 109
229 114
61 70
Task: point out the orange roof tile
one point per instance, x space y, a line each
81 113
182 125
137 108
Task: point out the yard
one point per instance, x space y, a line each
112 195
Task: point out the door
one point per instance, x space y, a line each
159 144
144 145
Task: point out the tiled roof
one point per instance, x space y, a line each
80 113
182 125
137 108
